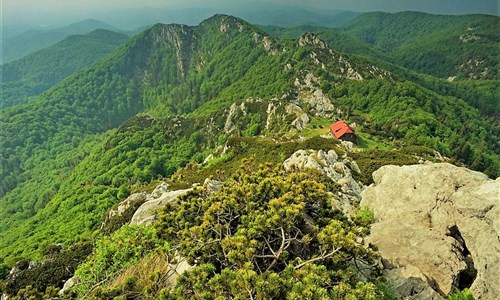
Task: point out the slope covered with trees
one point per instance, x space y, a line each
37 72
444 46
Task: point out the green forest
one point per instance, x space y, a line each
33 74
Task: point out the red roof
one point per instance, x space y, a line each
340 128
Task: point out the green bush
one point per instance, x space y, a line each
116 252
58 266
464 294
266 234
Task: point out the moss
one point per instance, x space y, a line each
464 294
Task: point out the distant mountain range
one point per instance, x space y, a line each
32 40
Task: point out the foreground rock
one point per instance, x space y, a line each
437 228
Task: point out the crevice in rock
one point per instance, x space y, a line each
466 277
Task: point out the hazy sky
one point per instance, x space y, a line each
26 11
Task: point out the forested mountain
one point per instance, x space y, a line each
444 46
32 40
174 94
290 17
335 37
37 72
358 37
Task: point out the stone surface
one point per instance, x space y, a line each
180 266
130 201
67 285
310 93
147 212
336 168
438 224
160 190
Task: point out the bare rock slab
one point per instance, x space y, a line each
440 221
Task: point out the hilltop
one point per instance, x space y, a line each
35 73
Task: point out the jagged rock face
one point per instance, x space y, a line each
437 224
310 93
313 40
337 169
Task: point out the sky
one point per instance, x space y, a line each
53 11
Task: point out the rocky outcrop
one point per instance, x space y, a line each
147 212
437 228
311 94
312 40
302 119
131 201
68 285
124 210
336 168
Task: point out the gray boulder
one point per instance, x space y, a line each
438 224
147 212
70 283
160 190
131 201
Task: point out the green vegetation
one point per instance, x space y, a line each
157 106
269 234
463 46
317 126
254 151
46 277
266 234
371 160
335 37
115 253
37 72
141 151
412 115
461 295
